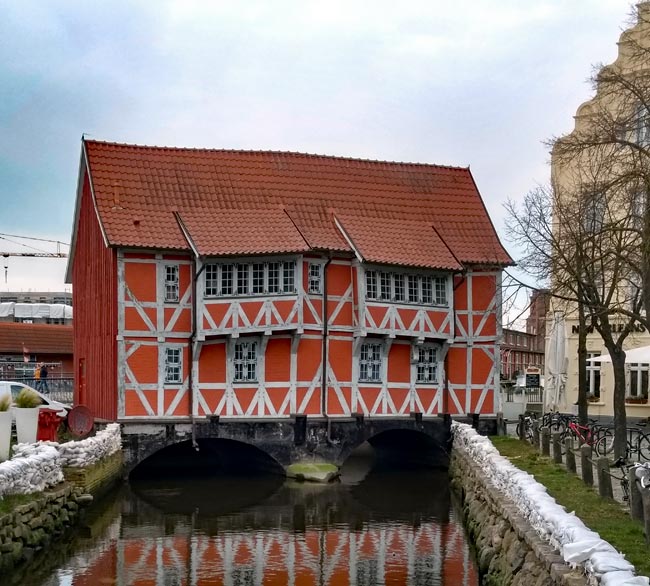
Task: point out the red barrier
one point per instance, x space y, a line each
48 424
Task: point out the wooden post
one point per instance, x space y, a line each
522 427
585 463
557 452
536 434
636 501
546 441
645 497
570 456
604 479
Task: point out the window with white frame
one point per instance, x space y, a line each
642 126
406 287
245 361
370 362
173 365
593 375
595 208
426 364
171 283
638 380
315 274
256 278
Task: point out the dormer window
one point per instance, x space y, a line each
253 278
406 287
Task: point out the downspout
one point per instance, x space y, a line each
192 341
325 318
445 398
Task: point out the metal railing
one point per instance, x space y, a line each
59 389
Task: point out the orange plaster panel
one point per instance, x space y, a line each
140 278
284 309
133 406
343 317
278 360
481 366
460 294
460 395
457 365
212 363
309 359
245 396
334 406
378 314
313 404
251 309
133 321
182 409
483 289
144 364
183 322
399 364
369 396
400 399
338 279
489 327
217 312
278 397
340 359
488 403
426 395
407 316
437 319
212 398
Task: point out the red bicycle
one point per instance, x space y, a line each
601 439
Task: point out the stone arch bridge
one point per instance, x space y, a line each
298 439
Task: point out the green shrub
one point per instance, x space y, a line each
5 403
27 399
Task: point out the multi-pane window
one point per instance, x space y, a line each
315 278
288 277
593 375
173 365
274 277
642 126
639 380
370 362
171 283
406 287
371 284
398 287
594 213
258 278
427 364
384 286
245 361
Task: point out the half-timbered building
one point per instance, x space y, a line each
267 284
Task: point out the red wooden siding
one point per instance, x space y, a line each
94 279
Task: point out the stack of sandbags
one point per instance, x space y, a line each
33 468
564 531
90 450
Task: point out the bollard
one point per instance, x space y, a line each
585 463
536 433
522 427
557 452
636 501
546 441
645 497
604 479
474 417
570 456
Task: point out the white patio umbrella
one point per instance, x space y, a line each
556 365
635 355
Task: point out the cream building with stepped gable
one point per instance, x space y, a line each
561 369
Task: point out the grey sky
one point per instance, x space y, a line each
470 82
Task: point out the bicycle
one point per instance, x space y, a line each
642 473
528 427
638 442
599 438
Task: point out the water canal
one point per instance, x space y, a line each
381 524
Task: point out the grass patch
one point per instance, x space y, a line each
10 502
608 518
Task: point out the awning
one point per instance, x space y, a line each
634 355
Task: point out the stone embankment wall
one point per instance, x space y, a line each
57 481
523 536
509 551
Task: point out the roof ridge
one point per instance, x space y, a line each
275 152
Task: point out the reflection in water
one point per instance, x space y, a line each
383 528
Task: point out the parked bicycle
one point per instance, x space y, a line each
600 438
528 427
642 473
638 442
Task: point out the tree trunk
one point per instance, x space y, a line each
582 366
620 416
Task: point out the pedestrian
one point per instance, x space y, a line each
44 386
37 377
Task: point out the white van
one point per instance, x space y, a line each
13 388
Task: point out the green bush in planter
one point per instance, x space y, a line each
5 403
27 399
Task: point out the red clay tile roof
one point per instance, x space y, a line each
248 202
37 338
